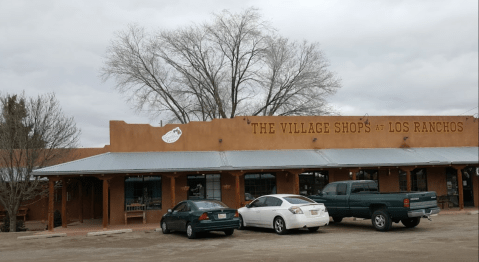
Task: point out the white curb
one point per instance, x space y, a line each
43 236
111 232
473 212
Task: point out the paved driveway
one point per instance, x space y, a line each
446 238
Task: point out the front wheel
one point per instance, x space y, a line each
279 226
381 220
241 223
411 222
164 228
190 231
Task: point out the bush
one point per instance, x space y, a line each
5 227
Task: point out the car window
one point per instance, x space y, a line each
273 201
330 189
341 189
260 202
357 188
298 200
373 186
182 207
209 204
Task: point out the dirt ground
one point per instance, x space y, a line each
446 238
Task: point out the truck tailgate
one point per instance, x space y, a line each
422 200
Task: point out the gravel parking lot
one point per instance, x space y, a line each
446 238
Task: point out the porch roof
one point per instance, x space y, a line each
148 162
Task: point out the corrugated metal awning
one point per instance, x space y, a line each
148 162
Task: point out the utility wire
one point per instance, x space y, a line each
469 110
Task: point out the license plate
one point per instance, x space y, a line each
221 216
314 212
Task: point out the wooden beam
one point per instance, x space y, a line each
353 173
173 191
80 195
92 203
64 202
105 204
408 180
460 186
51 206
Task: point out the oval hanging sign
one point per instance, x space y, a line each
172 136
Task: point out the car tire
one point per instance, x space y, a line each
164 228
411 222
279 226
241 223
337 219
313 229
229 232
190 231
381 220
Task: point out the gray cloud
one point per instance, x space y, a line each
395 57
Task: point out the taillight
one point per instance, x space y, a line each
204 216
236 214
406 202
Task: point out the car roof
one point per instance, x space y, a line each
280 195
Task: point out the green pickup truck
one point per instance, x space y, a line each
361 199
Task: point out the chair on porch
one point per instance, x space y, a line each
135 210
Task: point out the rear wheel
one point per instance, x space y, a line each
381 220
313 229
229 232
337 219
279 226
411 222
164 228
190 231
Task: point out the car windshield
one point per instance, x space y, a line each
298 200
205 204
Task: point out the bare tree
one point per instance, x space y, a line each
34 133
234 65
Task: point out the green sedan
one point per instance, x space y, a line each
203 215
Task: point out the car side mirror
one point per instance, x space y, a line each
169 210
248 205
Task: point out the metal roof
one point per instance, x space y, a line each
147 162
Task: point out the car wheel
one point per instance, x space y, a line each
411 222
337 219
279 226
313 229
381 220
164 228
229 232
241 223
190 231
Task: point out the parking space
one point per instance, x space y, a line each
446 238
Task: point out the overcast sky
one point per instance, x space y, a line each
394 57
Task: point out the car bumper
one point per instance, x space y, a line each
215 225
423 212
302 221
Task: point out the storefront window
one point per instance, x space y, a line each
418 180
204 187
143 190
311 183
256 185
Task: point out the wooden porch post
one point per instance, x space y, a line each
64 202
237 175
51 207
173 191
460 186
105 202
80 195
92 203
408 176
295 174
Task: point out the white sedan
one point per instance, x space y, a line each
282 212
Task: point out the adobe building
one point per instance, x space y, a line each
235 160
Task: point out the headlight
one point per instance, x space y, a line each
295 210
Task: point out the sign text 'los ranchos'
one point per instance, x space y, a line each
345 127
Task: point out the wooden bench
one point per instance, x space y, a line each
443 202
135 210
22 212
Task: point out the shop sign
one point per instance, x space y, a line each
172 136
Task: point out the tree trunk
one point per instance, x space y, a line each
13 222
